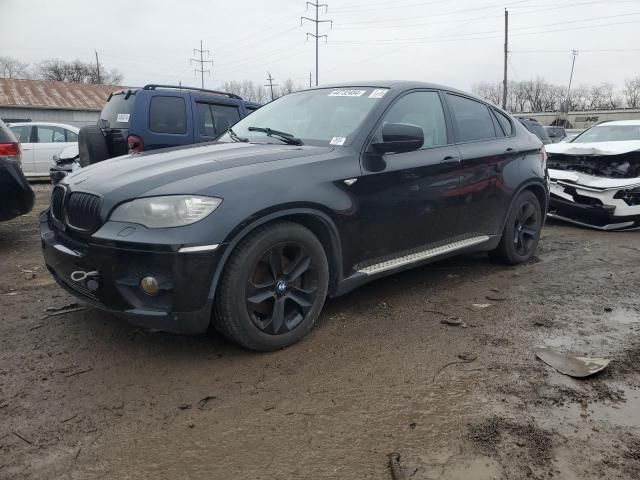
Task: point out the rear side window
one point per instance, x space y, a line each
214 119
168 115
51 134
472 119
505 123
116 112
22 133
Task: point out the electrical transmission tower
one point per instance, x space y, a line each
270 79
317 21
202 61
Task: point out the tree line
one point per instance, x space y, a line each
58 70
541 96
256 92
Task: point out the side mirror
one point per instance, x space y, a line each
399 138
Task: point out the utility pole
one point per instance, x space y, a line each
506 55
574 54
270 79
317 21
202 61
310 80
98 68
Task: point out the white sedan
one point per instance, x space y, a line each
40 141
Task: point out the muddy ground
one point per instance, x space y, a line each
84 395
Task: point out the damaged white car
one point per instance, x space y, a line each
595 178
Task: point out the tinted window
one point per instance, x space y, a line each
224 116
505 123
72 136
472 119
206 127
537 129
424 110
22 133
116 112
50 134
168 115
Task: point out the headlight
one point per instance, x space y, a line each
164 212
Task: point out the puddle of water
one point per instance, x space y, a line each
621 414
624 316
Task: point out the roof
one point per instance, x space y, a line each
633 123
53 95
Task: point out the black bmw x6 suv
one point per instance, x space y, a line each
312 195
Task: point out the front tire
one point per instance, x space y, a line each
273 287
521 231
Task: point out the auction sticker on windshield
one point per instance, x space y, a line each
337 141
347 93
378 93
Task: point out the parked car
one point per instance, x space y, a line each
572 133
159 116
40 142
66 162
16 195
556 134
535 127
595 178
314 194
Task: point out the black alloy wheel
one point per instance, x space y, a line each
282 288
522 230
273 287
526 228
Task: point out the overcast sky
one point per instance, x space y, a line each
454 42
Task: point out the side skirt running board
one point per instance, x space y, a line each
423 255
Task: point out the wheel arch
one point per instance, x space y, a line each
539 190
317 221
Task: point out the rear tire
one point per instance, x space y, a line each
92 145
521 231
272 288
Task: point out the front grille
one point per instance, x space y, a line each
83 212
57 202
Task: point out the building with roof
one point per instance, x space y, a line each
75 104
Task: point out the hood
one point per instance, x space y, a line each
139 173
594 148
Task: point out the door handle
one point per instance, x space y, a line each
450 159
510 151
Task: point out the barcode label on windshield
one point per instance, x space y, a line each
347 93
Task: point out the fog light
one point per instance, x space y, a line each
149 285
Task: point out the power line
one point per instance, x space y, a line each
317 23
202 61
270 79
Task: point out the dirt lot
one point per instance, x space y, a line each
84 395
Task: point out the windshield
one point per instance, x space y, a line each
609 133
117 111
326 116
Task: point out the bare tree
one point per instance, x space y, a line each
13 68
77 72
632 92
489 92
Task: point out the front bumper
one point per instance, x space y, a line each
591 208
183 304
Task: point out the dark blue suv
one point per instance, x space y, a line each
159 116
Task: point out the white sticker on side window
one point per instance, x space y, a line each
123 117
347 93
337 141
378 93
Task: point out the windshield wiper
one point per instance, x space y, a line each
284 136
235 137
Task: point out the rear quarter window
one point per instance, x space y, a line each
168 115
472 119
505 123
